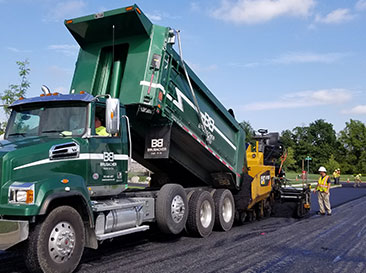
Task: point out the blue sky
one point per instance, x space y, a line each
277 63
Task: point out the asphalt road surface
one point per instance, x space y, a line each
334 243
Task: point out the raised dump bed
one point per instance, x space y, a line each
180 138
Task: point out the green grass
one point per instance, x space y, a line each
292 176
142 177
136 187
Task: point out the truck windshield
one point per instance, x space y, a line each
49 121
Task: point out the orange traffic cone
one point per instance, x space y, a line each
347 180
297 178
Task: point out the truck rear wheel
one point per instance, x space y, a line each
171 209
224 209
56 244
201 216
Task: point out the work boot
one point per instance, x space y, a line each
320 213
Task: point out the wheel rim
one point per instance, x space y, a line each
61 243
227 210
177 208
206 214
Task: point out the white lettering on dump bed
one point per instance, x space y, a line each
179 104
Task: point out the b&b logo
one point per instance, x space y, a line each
108 157
208 122
157 143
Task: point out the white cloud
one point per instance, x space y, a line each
297 58
157 16
361 5
59 71
195 6
17 50
199 68
154 16
304 99
358 110
259 11
308 57
67 50
335 17
64 10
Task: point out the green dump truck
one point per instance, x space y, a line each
64 185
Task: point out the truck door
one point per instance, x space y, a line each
108 159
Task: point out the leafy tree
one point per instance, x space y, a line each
322 138
290 164
2 127
302 144
346 151
353 140
331 165
15 91
249 132
317 140
287 138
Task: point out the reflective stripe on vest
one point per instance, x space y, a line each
323 184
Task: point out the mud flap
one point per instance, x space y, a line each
157 142
243 196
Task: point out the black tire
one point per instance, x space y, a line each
40 256
251 216
267 208
258 211
201 216
300 209
240 217
224 209
171 209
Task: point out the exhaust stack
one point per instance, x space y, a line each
45 90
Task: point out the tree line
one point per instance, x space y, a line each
345 150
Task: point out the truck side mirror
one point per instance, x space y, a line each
112 116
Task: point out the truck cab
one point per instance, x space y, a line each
57 133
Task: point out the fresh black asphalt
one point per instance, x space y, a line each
313 244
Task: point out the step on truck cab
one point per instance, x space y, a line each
65 159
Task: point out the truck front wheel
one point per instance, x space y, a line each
56 244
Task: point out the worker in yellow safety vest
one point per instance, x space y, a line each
323 189
100 130
336 176
357 180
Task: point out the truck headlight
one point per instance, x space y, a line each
21 193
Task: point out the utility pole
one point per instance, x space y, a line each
308 158
303 172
